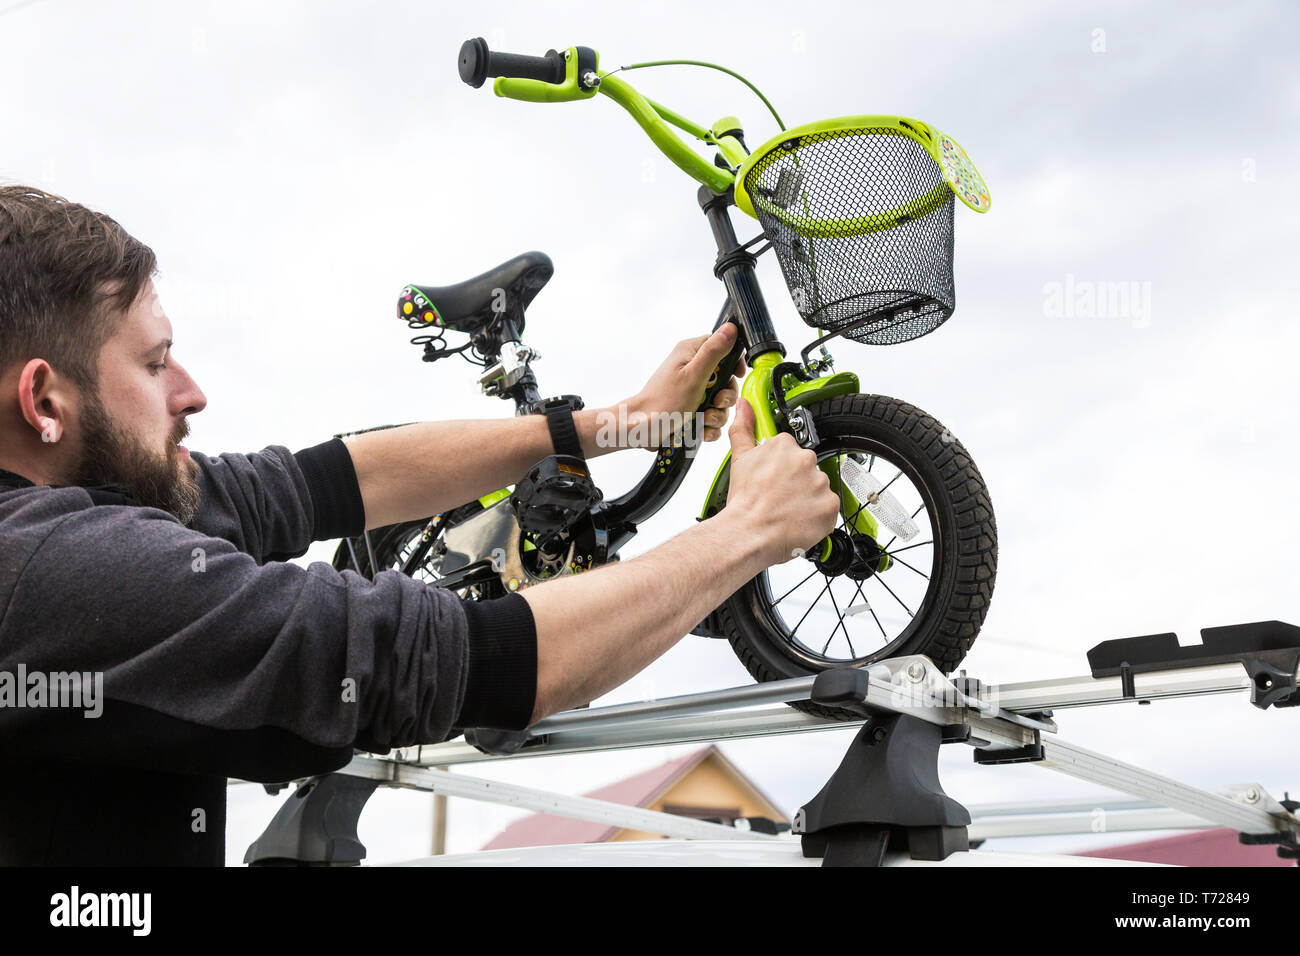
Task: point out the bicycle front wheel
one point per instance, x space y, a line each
924 591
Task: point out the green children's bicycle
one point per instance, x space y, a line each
859 211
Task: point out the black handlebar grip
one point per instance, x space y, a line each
721 377
477 63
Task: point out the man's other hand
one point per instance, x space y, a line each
674 392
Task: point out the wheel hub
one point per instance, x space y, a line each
866 557
855 556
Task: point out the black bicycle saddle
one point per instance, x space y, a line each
468 306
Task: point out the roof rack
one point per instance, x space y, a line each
885 795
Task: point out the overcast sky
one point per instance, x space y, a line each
294 164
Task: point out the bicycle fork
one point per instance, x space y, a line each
765 386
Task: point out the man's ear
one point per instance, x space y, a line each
46 399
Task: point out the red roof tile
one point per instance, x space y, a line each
545 829
1218 847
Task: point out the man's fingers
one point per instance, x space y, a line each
715 418
689 347
741 431
713 348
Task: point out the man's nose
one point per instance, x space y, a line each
189 397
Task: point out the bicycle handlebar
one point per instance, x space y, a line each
477 63
573 75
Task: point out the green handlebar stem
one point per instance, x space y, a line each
733 151
670 144
652 117
680 121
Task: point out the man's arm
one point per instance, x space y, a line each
414 471
598 629
210 663
272 504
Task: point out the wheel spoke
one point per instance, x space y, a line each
858 594
810 607
911 546
886 545
840 623
905 594
896 597
906 565
849 607
883 632
793 589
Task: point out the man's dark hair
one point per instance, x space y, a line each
67 276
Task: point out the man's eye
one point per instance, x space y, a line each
154 369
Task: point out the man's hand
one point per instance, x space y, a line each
780 490
596 630
676 389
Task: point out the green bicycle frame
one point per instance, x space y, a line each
757 389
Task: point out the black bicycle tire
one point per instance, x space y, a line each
968 559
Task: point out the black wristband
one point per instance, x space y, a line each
564 433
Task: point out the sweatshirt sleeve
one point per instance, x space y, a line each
215 658
212 663
272 505
259 502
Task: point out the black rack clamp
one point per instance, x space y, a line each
1268 650
1288 845
886 792
316 826
501 743
994 756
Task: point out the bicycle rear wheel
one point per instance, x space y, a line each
412 547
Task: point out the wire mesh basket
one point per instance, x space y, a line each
860 213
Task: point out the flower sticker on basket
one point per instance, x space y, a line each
961 174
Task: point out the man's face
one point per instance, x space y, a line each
130 429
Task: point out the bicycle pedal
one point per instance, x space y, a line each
554 494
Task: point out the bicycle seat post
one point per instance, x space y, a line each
509 374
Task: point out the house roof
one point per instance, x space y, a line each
1218 847
640 790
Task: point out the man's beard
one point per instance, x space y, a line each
111 456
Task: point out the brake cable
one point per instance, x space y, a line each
711 66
